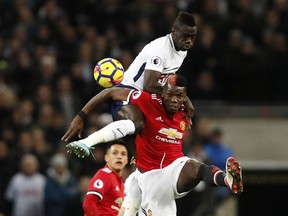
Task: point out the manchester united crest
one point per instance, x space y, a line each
182 125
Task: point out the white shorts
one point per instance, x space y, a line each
159 189
132 190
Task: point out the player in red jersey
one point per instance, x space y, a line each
159 148
106 189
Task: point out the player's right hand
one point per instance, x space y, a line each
76 127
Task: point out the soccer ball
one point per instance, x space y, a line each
108 72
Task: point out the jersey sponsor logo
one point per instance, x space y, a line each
98 184
171 133
171 141
136 95
156 60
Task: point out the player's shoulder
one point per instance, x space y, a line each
105 171
162 42
156 98
146 97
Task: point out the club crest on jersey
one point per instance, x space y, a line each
156 61
150 213
171 133
119 201
182 125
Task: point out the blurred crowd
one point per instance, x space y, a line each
48 49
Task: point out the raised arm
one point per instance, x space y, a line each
112 94
151 82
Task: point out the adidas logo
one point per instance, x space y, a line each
159 119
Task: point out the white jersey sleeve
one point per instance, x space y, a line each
159 55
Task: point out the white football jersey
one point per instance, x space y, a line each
158 55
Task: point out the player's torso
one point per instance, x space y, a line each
160 142
159 55
112 190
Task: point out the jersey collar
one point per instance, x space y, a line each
171 41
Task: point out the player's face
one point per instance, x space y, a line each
117 158
173 97
184 37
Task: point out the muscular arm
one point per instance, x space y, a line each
76 126
115 94
151 83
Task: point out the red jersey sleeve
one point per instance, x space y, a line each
99 184
142 100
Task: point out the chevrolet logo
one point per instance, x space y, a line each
171 133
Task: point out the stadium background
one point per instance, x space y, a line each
237 75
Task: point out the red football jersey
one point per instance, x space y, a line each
160 142
110 188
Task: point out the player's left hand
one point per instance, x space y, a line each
76 127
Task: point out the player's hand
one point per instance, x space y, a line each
76 127
190 112
189 125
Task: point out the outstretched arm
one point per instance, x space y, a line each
76 126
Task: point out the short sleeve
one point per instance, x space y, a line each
155 63
99 184
142 100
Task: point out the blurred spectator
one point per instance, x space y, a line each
206 87
61 188
8 167
240 56
218 152
26 189
66 100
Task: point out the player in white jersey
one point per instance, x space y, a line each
159 55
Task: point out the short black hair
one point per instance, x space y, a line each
184 18
116 142
181 81
178 80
